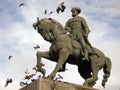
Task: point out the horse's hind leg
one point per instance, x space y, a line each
95 68
85 71
86 75
92 84
106 70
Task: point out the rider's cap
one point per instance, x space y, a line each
76 8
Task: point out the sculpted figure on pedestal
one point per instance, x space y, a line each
69 49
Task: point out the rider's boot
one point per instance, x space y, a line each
85 49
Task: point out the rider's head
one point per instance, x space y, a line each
75 11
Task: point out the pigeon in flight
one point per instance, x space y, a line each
9 80
59 77
22 4
10 57
29 76
36 47
36 68
33 79
23 83
45 11
51 12
26 72
61 7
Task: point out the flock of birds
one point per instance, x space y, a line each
9 80
29 76
61 8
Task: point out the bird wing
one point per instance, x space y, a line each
9 57
7 82
37 46
45 11
22 4
27 72
62 3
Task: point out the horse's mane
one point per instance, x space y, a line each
59 25
52 26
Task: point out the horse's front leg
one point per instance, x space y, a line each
39 63
63 56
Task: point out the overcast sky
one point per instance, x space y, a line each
17 37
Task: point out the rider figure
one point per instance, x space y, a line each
78 29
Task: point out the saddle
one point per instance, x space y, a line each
76 44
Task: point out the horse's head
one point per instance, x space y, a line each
48 28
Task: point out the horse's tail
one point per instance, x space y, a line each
106 70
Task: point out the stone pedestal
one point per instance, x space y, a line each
46 84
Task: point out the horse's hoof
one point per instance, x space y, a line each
85 84
103 84
50 78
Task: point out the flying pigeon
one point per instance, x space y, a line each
26 72
22 4
61 7
39 76
36 68
32 79
9 57
29 76
36 47
60 76
45 11
51 12
23 83
9 80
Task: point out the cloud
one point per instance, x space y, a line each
17 36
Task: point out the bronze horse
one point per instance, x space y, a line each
65 49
